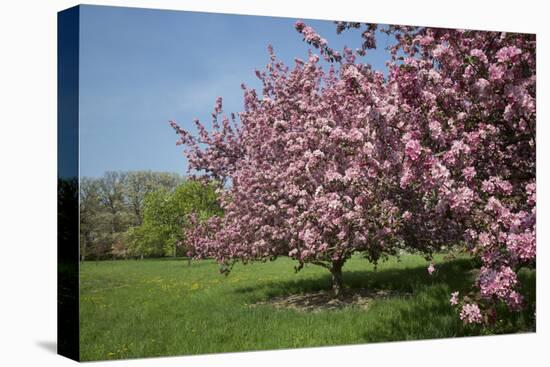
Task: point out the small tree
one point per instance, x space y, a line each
164 217
139 183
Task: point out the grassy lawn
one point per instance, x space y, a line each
165 307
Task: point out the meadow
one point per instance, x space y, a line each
163 307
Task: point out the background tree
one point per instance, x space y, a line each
111 195
140 183
112 204
114 217
164 218
89 209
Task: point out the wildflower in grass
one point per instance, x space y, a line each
431 269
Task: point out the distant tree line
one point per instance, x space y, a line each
139 214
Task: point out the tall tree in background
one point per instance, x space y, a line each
113 203
111 195
165 215
89 210
114 218
140 183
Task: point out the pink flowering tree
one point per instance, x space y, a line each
464 102
441 151
312 169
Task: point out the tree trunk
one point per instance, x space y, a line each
336 271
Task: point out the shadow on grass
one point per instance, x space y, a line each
425 315
457 274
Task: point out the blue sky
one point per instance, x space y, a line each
140 68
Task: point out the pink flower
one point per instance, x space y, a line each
496 282
488 186
514 301
426 40
431 269
439 51
484 239
479 54
531 190
496 72
413 149
454 298
435 129
462 200
508 53
406 178
299 25
469 173
471 314
483 86
522 245
332 175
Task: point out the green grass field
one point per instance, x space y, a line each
164 307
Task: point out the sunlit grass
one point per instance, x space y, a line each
165 307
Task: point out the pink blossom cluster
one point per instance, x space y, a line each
496 282
310 36
314 39
471 314
454 298
475 118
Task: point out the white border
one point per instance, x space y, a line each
28 182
